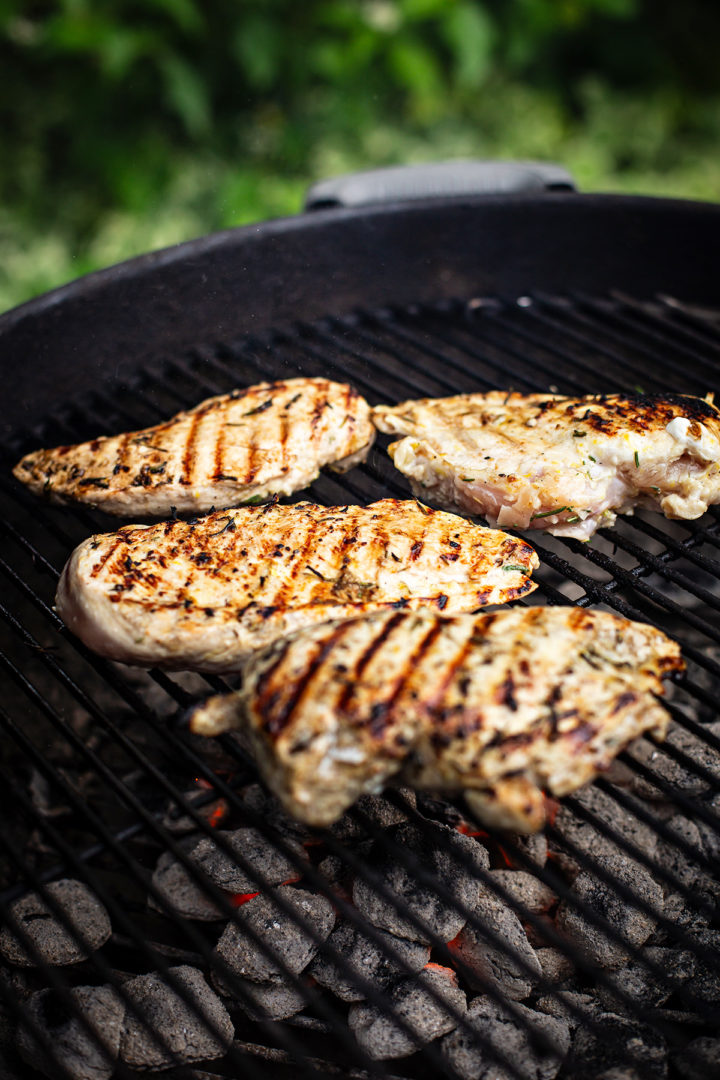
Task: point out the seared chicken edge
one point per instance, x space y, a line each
501 706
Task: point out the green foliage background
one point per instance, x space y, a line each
127 125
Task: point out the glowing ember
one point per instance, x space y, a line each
468 830
217 814
240 898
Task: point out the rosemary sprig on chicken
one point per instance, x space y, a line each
561 464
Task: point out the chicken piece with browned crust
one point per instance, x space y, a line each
500 705
203 594
565 465
269 439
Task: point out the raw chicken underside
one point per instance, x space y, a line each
501 705
203 594
565 465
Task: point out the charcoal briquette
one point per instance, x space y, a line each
88 926
365 958
84 1056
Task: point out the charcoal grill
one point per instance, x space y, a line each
551 290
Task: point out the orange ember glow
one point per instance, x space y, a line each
240 898
468 830
217 814
505 857
445 970
203 783
455 943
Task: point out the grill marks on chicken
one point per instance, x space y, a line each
272 438
565 465
500 706
203 594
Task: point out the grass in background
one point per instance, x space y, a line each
130 127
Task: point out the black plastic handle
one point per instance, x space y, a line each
437 180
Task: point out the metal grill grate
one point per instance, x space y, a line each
93 755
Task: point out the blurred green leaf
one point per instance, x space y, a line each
257 46
186 94
471 35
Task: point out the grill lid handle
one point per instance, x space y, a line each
439 180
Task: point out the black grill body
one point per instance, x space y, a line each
570 293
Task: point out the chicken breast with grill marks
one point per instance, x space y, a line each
565 465
204 594
272 438
500 705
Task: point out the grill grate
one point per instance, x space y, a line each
106 762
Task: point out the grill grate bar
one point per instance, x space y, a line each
338 959
221 900
210 959
372 348
103 969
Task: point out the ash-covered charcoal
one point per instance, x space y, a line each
711 836
177 822
625 1073
677 862
634 926
529 891
686 780
335 871
705 983
381 1037
280 933
260 854
180 892
534 846
572 1006
84 1057
556 966
368 960
184 1028
379 809
537 1058
88 925
266 1001
699 1060
448 856
512 967
262 804
637 981
592 841
613 1042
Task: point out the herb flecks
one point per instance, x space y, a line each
514 566
579 434
255 500
259 408
637 460
550 513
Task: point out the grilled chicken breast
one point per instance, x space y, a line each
565 465
272 438
203 594
501 705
